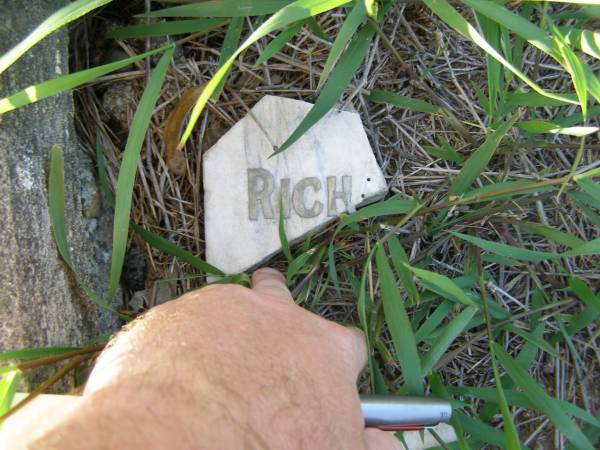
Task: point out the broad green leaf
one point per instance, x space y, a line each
357 16
399 325
56 207
449 15
222 8
543 126
442 286
48 88
585 40
390 207
8 386
63 16
412 104
298 10
277 44
522 254
400 261
449 333
479 160
231 41
128 169
340 77
542 401
167 28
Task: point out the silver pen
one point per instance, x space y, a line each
395 413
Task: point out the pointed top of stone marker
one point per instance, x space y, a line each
328 171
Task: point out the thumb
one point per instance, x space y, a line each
271 283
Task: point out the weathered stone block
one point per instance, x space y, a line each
330 170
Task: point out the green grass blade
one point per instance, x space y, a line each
63 16
516 398
48 88
433 321
554 235
523 254
390 207
491 32
575 68
154 240
543 126
231 41
533 34
56 207
479 160
399 325
541 399
440 391
533 99
167 28
583 14
401 101
34 353
356 16
293 12
511 437
449 333
442 286
585 40
285 245
445 152
8 386
277 44
340 77
127 172
591 188
166 246
504 190
221 8
585 294
317 29
400 260
529 337
449 15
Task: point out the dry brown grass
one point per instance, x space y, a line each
431 63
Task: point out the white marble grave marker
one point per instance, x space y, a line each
330 170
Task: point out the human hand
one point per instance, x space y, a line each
226 367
